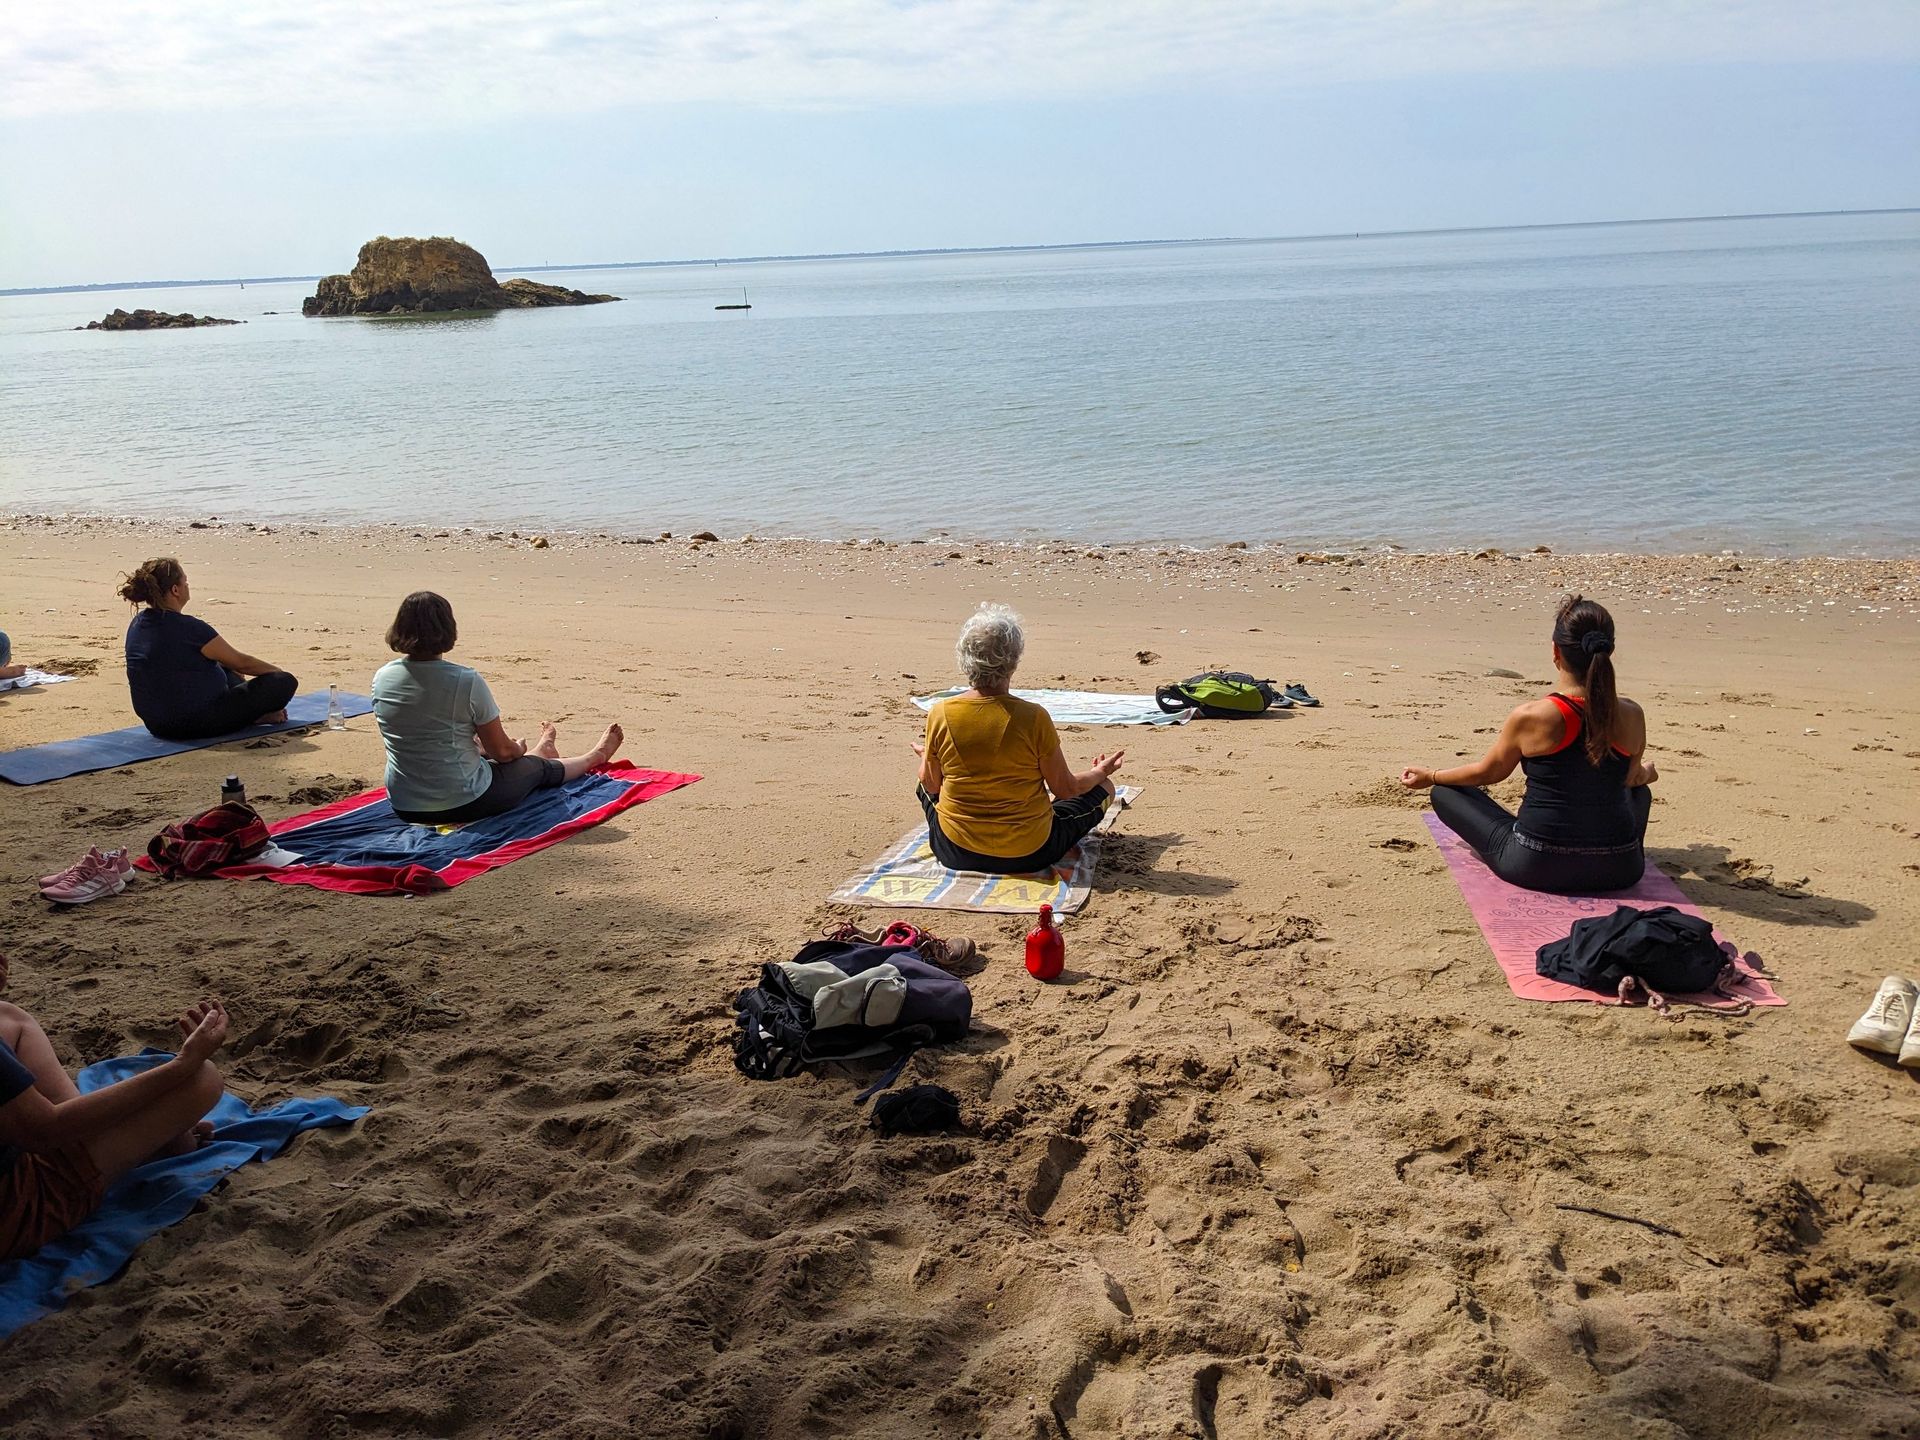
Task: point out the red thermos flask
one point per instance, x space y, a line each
1046 951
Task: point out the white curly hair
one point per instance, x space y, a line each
990 646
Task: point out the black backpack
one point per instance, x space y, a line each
775 1036
1666 949
1220 695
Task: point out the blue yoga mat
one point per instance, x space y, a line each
58 759
146 1200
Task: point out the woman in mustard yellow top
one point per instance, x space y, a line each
991 759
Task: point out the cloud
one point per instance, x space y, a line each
460 60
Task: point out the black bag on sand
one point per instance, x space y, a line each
917 1110
1665 949
776 1035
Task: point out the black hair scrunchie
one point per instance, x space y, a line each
1597 642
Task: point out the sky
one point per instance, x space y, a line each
183 139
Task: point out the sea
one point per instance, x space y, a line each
1748 384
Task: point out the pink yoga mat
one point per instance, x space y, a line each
1518 922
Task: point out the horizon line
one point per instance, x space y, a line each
1028 248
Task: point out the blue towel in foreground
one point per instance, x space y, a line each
57 759
146 1200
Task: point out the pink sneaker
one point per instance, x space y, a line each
95 858
73 871
95 876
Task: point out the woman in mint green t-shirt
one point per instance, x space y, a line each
448 756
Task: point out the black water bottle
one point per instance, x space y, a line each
233 792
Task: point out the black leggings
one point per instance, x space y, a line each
1485 824
243 705
1073 821
512 782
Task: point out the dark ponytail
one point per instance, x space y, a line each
1583 631
150 583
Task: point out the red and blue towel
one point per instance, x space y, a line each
358 845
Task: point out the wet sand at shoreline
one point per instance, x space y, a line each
1284 1158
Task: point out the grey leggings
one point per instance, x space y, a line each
512 782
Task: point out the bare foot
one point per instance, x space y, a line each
12 672
549 746
609 744
274 719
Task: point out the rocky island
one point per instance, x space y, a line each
153 320
407 276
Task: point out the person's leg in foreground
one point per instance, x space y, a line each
73 1146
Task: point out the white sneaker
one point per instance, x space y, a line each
1910 1049
1888 1019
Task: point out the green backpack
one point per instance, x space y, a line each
1221 695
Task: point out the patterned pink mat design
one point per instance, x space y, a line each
1518 922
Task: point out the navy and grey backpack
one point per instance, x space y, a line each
846 1000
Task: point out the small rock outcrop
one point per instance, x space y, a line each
407 276
153 320
527 294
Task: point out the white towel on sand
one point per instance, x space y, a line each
34 677
1087 707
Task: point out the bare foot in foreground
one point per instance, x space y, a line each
609 743
549 746
275 718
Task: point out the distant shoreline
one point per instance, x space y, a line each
578 534
902 254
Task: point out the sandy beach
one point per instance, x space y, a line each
1281 1158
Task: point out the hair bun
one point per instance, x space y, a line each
1597 642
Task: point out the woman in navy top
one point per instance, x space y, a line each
188 683
1583 822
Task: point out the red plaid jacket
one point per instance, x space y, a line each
225 835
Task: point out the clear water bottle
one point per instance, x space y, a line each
233 792
336 717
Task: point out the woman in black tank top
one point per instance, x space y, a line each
1584 819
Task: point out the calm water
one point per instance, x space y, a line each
1735 383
